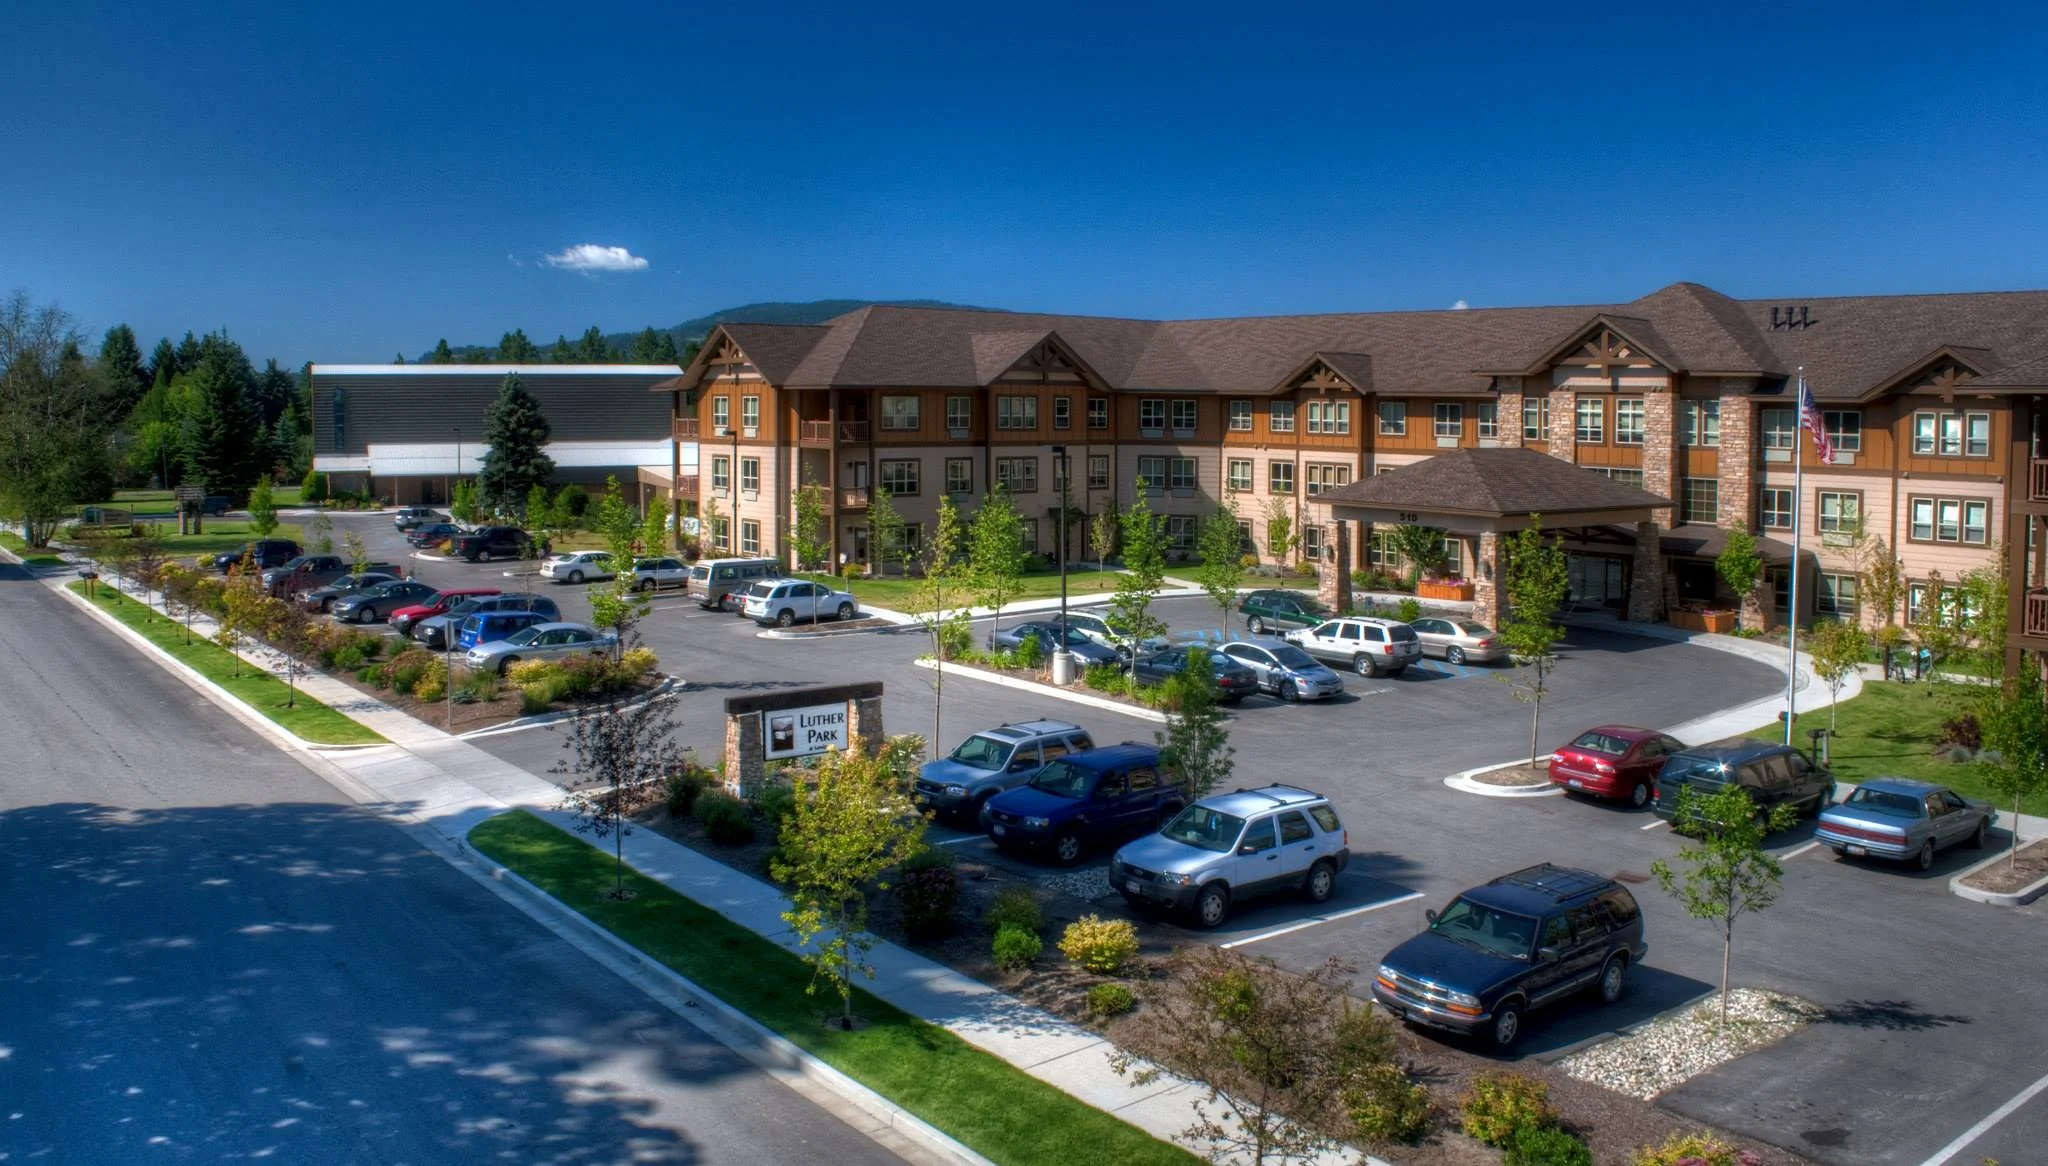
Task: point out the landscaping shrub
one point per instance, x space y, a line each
1100 945
474 687
527 672
1016 907
1408 610
725 818
1694 1149
532 703
1107 1000
1015 948
1546 1146
1106 678
573 502
1385 1106
930 894
313 488
347 658
956 637
430 682
1498 1104
1962 730
1029 654
406 668
637 663
774 804
679 792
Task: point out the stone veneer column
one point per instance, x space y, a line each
743 739
1646 581
1737 460
1509 404
1486 578
867 725
1563 425
1333 574
1661 460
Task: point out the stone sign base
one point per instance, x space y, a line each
755 735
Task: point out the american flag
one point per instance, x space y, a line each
1811 420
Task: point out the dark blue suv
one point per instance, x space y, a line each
1520 942
1084 799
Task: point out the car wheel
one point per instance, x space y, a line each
326 607
1363 665
505 665
1321 881
1925 859
1255 626
362 615
1454 655
1639 795
1288 692
784 618
1507 1024
1212 906
1613 979
1067 847
845 612
1983 835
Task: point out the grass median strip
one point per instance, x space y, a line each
29 558
986 1103
307 718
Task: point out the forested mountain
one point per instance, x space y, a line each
654 345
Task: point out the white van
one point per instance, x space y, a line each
713 580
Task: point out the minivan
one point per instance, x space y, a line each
1772 772
712 580
489 626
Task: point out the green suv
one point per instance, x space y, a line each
1279 611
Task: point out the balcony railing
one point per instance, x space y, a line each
853 498
686 486
814 432
686 428
853 431
2037 483
2034 617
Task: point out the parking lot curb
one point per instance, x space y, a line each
537 720
1463 783
735 1029
2019 898
1100 702
824 633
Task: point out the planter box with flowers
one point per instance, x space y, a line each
1443 589
1719 621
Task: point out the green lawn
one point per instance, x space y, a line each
19 546
899 594
1889 731
221 534
308 718
996 1109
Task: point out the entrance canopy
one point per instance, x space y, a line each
1492 491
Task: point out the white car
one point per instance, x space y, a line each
577 566
1097 630
782 602
655 574
1367 645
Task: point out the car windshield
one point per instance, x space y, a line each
1072 638
1289 656
1884 802
982 753
1686 765
465 607
1203 827
1486 928
523 636
1601 743
1064 780
700 573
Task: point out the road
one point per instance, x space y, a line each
209 954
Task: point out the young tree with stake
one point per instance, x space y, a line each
1144 575
1194 745
885 529
1102 532
2015 757
942 598
1536 581
1726 873
995 551
809 530
1220 541
617 753
1836 648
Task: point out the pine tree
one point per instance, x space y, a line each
187 357
120 368
515 348
646 347
561 351
441 354
163 363
592 349
517 435
665 350
220 439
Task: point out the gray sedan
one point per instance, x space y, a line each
654 574
1459 641
542 641
1903 820
1285 670
1087 651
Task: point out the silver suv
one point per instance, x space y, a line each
992 761
1235 846
1367 645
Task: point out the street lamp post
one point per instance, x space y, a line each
448 633
1062 658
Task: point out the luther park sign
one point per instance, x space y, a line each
797 723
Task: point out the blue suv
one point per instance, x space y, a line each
1085 799
486 627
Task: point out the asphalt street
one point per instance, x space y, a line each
210 955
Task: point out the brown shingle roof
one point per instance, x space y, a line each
2028 374
1699 540
1493 482
777 349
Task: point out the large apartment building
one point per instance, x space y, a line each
1934 405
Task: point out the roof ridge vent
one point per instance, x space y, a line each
1792 318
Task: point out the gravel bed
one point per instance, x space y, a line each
1516 775
1090 884
2006 876
1670 1051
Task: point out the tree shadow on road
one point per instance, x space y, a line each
1890 1015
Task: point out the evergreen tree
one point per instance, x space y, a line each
515 348
121 370
561 351
441 354
163 363
220 437
187 357
592 349
399 359
665 350
273 392
517 436
477 356
647 347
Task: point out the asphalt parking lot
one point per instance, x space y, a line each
1930 1029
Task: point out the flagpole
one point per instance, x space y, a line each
1798 519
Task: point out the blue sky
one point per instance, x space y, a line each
347 181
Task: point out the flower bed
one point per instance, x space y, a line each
1458 589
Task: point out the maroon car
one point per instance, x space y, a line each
1614 761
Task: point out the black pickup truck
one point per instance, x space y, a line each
490 542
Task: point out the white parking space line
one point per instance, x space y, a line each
959 840
1319 920
1797 851
1654 825
1984 1127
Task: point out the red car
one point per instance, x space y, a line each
1615 762
404 618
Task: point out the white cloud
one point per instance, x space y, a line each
590 258
1460 306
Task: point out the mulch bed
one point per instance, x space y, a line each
1044 676
1516 775
864 623
479 714
2004 877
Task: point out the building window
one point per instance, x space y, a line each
1330 417
1098 412
899 413
1702 500
1916 603
913 540
1280 477
750 536
1487 414
1957 606
1152 415
1151 473
1240 416
900 477
1977 442
1181 473
1592 420
750 414
1183 417
1019 475
1703 423
1027 533
1952 434
1780 428
959 475
750 474
960 414
1781 587
1318 478
721 473
1840 512
1774 507
721 533
1280 416
1837 595
721 414
1535 418
1845 429
1626 475
1393 418
1063 412
1628 421
1098 471
1450 420
1180 532
1977 522
1950 520
1016 412
1240 475
1312 542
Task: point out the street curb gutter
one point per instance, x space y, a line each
1463 782
2019 898
1129 710
742 1033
